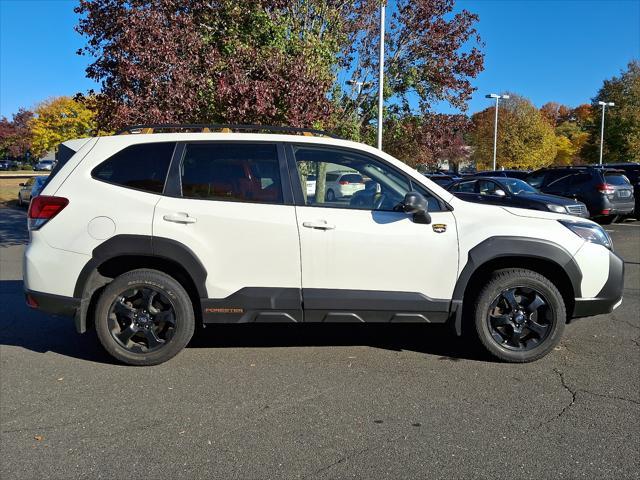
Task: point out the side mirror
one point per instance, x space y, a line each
415 204
500 193
21 184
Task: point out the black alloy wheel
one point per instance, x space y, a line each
142 319
519 315
520 318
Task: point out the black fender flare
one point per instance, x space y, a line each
89 279
512 246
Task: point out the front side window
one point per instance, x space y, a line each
346 179
487 187
142 167
518 187
240 172
465 187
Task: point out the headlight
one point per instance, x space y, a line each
590 232
557 208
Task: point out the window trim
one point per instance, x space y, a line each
297 186
166 175
173 186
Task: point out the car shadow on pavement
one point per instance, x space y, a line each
39 332
428 339
13 226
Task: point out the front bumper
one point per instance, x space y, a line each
609 297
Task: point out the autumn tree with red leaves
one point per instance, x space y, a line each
277 61
15 135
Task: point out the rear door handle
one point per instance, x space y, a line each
322 225
180 217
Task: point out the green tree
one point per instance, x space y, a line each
570 139
622 122
525 139
58 120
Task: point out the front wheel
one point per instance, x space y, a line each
520 315
144 317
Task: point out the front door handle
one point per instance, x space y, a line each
321 225
180 217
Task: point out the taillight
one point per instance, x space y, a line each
43 208
606 189
343 182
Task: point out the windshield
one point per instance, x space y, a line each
516 186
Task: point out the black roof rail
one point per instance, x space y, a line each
223 127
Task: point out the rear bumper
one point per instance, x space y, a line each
53 304
609 297
620 208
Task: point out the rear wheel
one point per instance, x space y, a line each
330 196
144 317
607 220
520 315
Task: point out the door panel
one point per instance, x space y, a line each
363 259
240 244
378 252
235 221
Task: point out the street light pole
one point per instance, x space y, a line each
604 106
383 5
357 86
495 125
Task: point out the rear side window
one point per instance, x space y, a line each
142 167
614 178
580 179
351 178
232 172
536 179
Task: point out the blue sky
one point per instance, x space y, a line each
546 50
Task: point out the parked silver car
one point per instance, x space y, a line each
29 189
44 165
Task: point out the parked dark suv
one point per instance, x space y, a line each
632 172
607 192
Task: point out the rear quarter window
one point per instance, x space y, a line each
141 167
616 179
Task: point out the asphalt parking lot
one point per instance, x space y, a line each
313 401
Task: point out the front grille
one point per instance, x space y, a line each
579 210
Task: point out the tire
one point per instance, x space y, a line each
527 332
127 327
607 220
20 201
330 196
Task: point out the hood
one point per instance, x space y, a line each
547 198
545 215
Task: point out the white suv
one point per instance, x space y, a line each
142 236
343 185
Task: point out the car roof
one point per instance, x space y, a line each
481 177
